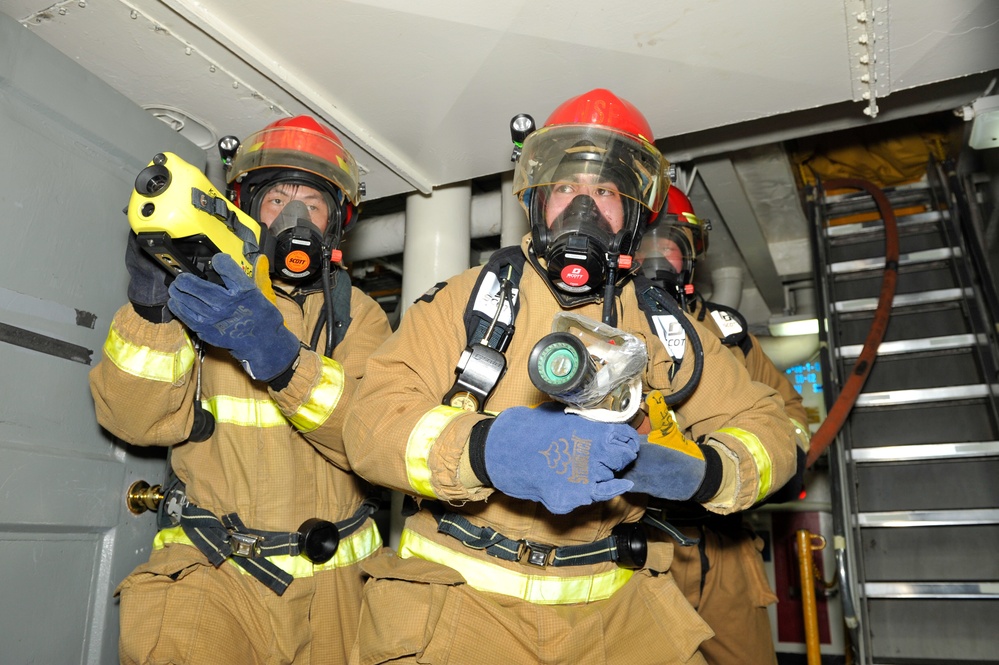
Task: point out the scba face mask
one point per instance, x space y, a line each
576 255
662 250
299 242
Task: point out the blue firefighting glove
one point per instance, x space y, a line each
671 466
543 454
147 283
237 317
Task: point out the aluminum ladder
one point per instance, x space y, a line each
915 468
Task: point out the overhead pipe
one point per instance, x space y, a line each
789 351
726 286
384 235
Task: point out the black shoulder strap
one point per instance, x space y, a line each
504 263
738 338
661 322
341 305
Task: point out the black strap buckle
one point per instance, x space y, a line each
535 554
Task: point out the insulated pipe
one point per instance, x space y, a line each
383 235
726 286
514 224
791 350
438 238
437 242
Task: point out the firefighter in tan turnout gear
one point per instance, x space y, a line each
257 557
526 538
723 577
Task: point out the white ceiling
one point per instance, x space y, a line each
423 90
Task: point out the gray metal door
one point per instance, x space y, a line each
70 147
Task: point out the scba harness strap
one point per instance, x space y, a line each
227 537
732 324
491 313
627 546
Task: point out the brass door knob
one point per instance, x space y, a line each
142 496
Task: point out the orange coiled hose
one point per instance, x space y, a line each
834 421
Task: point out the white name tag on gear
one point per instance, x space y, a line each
488 297
671 334
726 323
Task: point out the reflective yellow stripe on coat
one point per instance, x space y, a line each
761 458
258 413
421 440
355 547
323 399
803 434
538 589
148 363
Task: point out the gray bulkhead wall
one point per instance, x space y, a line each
71 148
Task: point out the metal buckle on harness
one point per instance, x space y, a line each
245 544
536 554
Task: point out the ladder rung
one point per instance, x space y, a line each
900 346
877 225
907 193
931 589
921 395
904 300
910 259
922 518
925 451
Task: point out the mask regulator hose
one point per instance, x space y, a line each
673 308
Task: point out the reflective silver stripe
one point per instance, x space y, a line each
761 458
421 440
245 412
148 363
323 400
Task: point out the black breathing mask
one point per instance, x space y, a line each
299 244
576 254
661 270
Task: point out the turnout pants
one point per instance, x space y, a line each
179 609
724 579
417 611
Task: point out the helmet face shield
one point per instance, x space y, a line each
666 248
590 182
299 148
553 154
